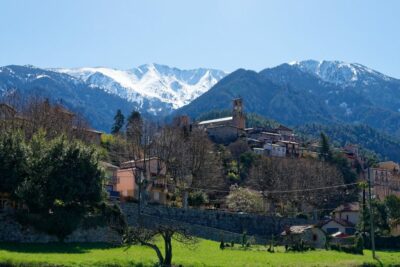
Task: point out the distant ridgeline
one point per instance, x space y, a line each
386 146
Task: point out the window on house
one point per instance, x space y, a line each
156 196
314 237
350 230
332 230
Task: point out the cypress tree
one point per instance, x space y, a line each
134 127
119 121
325 150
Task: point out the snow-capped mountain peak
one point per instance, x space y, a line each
151 81
339 72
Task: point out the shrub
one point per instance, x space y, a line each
357 248
197 198
222 245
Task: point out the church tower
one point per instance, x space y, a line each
239 120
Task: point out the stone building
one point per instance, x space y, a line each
274 150
286 133
310 235
385 180
229 129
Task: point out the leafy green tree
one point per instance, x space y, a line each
197 198
343 165
246 161
392 203
119 121
380 217
116 147
14 167
233 171
65 184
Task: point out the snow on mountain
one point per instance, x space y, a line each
340 73
152 82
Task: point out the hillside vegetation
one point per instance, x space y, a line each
386 146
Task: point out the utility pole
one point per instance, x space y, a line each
140 181
364 200
371 216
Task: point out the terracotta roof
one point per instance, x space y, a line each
132 163
341 222
284 128
297 229
354 206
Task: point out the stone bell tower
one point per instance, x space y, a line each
239 120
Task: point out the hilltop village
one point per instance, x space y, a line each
220 165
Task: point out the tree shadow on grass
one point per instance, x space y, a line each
67 248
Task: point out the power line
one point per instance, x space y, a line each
276 192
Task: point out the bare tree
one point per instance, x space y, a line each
35 113
190 158
168 232
286 183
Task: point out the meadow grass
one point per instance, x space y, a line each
206 253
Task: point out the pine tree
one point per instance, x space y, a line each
119 121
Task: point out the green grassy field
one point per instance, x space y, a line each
206 253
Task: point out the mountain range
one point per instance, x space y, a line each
296 93
96 93
152 82
309 92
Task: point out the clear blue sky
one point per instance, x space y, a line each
208 33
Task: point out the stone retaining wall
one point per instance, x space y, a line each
209 224
212 224
12 231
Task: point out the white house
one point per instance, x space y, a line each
349 212
344 219
274 150
333 226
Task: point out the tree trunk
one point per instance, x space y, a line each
157 250
168 251
185 199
